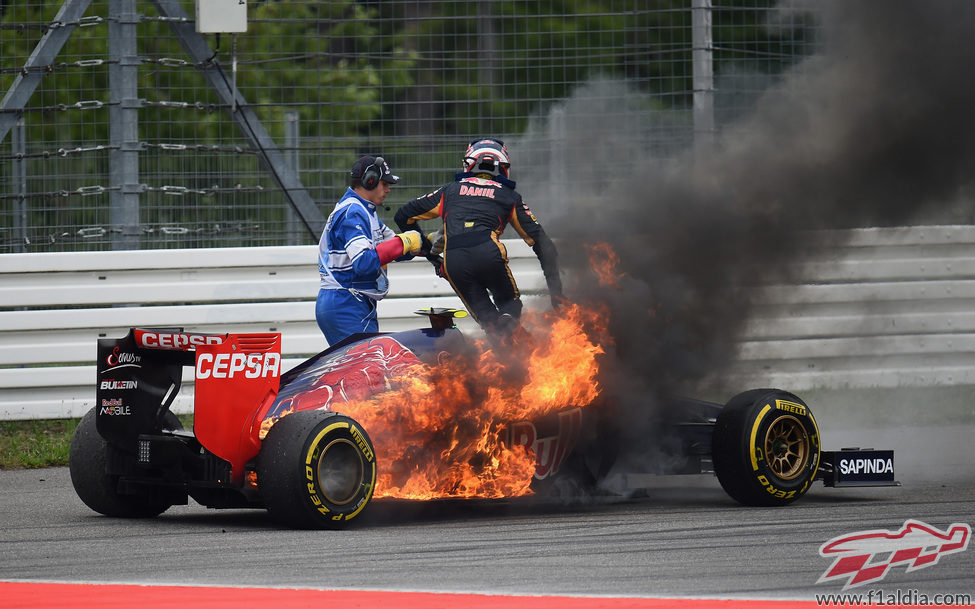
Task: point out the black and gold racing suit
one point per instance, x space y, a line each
475 211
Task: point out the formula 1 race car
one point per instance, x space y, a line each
281 441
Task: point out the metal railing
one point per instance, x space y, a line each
885 308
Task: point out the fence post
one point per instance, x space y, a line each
18 146
123 156
702 45
292 143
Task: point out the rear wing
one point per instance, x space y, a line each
236 378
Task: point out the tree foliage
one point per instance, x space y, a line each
354 69
358 74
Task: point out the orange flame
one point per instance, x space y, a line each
439 432
604 261
268 422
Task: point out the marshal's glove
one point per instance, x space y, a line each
403 244
411 241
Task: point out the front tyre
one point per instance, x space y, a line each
316 470
88 464
765 447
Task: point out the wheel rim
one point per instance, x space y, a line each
341 472
787 447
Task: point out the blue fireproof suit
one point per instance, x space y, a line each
352 279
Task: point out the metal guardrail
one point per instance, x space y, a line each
884 307
54 307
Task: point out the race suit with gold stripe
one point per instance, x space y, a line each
475 211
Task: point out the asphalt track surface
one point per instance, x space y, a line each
681 538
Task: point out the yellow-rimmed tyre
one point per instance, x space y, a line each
316 470
765 447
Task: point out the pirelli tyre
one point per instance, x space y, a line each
316 470
88 460
765 447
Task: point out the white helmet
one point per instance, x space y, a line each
487 155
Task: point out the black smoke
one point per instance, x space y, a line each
877 129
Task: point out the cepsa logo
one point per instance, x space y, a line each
177 340
230 365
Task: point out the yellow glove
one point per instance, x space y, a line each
400 245
411 241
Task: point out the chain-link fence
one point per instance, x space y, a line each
123 127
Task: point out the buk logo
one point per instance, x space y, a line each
867 556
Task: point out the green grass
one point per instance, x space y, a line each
29 444
45 443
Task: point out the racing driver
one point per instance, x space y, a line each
476 207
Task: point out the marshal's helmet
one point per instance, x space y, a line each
487 155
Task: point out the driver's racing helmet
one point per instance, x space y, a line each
487 155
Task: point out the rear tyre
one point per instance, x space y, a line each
316 470
88 460
765 447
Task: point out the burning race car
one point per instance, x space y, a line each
420 414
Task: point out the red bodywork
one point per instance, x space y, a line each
236 381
